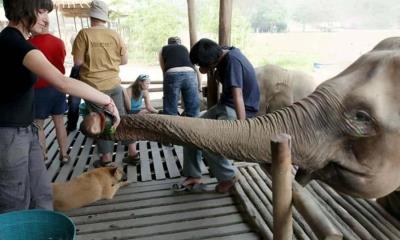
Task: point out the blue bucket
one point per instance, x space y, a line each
36 225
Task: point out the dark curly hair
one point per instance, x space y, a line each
25 11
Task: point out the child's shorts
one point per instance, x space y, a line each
48 102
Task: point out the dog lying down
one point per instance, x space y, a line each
94 185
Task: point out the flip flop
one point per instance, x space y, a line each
65 159
191 188
131 159
99 163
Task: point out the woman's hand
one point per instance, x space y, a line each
114 111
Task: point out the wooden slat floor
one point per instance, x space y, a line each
148 209
354 218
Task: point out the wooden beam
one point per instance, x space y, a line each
313 215
58 23
225 22
192 21
225 16
76 29
282 187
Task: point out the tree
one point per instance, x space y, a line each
209 22
149 25
268 16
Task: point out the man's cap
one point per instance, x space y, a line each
99 10
143 77
174 40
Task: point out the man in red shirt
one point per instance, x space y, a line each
49 101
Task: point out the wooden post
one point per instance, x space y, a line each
225 17
58 23
192 22
282 187
313 215
225 22
76 29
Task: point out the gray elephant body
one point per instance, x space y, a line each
280 87
346 133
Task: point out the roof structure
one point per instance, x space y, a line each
73 8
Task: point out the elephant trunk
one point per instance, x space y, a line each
249 140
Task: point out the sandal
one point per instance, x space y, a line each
99 163
132 159
191 188
65 159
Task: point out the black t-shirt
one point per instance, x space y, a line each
16 92
175 55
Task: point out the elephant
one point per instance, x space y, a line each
280 87
346 133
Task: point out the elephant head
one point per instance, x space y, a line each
346 133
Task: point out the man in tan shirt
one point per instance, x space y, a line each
99 51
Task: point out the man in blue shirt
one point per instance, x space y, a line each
239 100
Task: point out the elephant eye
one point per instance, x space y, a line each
360 124
362 116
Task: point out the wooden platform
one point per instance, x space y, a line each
148 209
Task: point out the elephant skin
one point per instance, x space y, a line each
280 87
346 133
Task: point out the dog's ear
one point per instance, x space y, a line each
113 171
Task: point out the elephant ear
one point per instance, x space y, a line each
359 123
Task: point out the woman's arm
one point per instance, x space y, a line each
147 102
36 62
127 98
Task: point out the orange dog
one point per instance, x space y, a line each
97 184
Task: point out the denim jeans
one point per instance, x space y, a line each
185 83
221 167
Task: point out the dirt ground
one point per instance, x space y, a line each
330 51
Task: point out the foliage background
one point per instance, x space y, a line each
146 24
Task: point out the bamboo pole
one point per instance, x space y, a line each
58 23
255 217
282 187
224 36
262 209
362 219
192 21
329 210
313 214
368 215
301 229
265 195
225 22
76 29
342 211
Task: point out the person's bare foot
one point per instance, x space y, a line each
190 181
226 186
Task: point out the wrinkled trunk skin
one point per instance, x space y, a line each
306 121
